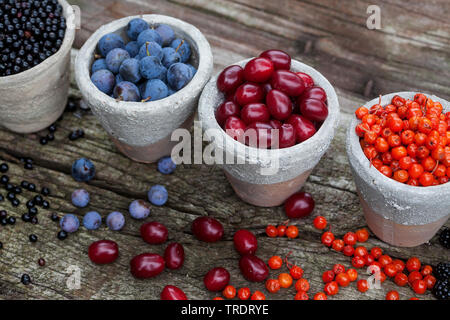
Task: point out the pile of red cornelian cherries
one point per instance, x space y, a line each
265 96
407 140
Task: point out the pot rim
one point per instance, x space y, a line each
125 108
355 153
325 133
66 46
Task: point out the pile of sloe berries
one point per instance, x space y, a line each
30 32
152 65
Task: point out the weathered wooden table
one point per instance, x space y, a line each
410 52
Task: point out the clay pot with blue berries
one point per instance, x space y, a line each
138 118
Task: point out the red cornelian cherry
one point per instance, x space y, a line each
154 232
253 268
249 93
235 128
287 136
279 104
230 79
103 251
320 223
281 60
304 128
174 256
245 242
299 205
288 82
313 109
207 229
258 70
172 293
259 134
216 279
255 112
147 265
314 93
307 79
225 110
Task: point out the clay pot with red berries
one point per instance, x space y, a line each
404 205
272 119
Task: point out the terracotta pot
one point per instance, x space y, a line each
245 173
32 100
399 214
142 130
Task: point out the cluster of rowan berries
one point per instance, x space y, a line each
407 140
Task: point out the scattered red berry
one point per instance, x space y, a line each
320 223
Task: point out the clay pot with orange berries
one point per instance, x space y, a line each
404 200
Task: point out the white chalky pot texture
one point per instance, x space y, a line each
144 123
398 202
293 161
32 100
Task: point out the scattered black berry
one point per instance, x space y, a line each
43 141
54 217
32 187
45 191
443 271
3 221
4 179
62 235
441 289
50 137
30 204
3 214
71 106
52 128
4 167
26 280
2 198
26 217
34 220
33 238
38 199
17 190
33 211
45 204
28 166
11 220
24 184
444 238
15 202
